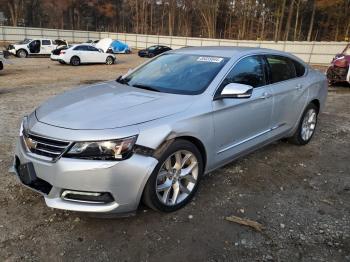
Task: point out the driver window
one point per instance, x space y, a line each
248 71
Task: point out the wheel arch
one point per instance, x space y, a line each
317 103
194 140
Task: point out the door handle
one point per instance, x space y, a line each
299 86
265 95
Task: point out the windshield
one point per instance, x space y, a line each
152 47
177 73
25 41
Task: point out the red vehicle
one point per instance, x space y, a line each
339 70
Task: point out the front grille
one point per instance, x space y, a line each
45 146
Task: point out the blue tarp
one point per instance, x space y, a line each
119 47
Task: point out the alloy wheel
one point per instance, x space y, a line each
177 177
109 60
309 124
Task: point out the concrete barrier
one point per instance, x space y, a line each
310 52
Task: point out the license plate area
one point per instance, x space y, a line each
28 177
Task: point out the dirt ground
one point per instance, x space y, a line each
300 194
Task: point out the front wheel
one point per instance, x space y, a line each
22 53
109 60
306 127
175 179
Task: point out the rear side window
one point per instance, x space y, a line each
299 68
91 48
281 68
81 48
248 71
46 42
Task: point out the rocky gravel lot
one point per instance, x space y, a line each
301 195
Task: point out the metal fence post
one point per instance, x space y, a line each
311 52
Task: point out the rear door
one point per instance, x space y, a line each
46 47
95 55
82 52
289 91
241 123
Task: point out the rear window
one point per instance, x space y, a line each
281 68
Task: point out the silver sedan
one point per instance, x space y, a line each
152 134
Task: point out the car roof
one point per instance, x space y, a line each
232 51
225 51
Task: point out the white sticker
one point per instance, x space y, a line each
210 59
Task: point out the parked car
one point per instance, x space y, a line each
103 44
85 54
42 46
2 60
119 47
153 51
55 54
156 131
339 70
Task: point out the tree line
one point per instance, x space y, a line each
286 20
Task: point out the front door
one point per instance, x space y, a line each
241 123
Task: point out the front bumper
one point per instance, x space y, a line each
12 51
124 180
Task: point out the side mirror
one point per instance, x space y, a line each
234 90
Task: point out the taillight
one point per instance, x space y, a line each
62 52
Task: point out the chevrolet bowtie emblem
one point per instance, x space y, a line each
31 144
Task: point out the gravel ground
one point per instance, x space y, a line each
300 194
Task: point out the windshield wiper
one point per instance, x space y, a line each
145 87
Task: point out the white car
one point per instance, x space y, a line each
85 54
41 46
2 60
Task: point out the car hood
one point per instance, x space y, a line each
109 105
104 44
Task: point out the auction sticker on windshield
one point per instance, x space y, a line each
210 59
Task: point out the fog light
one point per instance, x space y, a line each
87 197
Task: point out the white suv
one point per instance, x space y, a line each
41 46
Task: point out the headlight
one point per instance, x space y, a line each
103 150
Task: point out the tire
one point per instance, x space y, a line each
1 66
168 176
22 53
150 55
61 62
306 127
75 61
109 60
128 52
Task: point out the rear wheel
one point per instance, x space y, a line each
109 60
1 66
307 126
22 53
61 62
75 61
176 177
150 55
